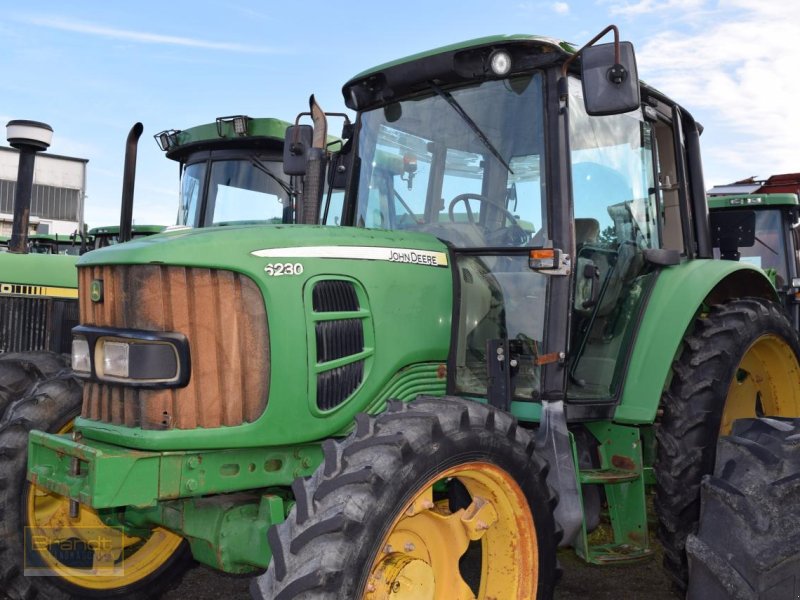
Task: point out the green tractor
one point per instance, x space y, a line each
38 291
761 229
34 376
508 328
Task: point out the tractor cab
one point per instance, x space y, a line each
762 230
52 243
230 172
546 197
100 237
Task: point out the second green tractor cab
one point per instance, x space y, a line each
762 230
514 331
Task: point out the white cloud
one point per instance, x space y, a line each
561 8
143 37
647 7
739 70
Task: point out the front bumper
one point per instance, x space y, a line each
111 476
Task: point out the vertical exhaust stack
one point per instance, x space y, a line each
317 161
128 181
29 137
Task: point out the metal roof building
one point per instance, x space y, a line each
59 188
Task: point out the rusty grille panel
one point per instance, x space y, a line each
222 315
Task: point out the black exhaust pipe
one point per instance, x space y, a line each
317 163
128 181
29 137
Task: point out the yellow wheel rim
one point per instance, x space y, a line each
418 558
767 376
117 560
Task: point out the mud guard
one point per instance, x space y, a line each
554 445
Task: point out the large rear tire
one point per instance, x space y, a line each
19 369
49 400
367 524
748 542
740 360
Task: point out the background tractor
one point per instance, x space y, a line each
760 228
35 383
427 393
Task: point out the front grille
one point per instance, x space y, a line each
222 315
340 338
30 323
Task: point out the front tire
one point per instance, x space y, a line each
368 525
49 401
739 361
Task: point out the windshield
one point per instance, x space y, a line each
234 191
768 251
465 164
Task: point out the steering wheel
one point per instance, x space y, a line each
514 235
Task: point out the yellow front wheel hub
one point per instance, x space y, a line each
418 557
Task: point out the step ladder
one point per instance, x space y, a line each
621 474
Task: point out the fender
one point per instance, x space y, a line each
679 294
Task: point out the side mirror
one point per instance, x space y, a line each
731 230
296 144
609 87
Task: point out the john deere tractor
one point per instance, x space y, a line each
761 229
515 330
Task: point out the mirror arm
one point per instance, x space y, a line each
591 42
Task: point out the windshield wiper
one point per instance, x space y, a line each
767 246
263 168
468 120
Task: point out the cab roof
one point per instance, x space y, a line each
261 132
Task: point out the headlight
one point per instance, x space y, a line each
115 358
81 363
131 357
500 62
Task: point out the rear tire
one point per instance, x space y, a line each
18 371
353 529
740 360
50 400
748 542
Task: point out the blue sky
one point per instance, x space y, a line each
91 69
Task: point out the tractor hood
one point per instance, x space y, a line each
238 248
48 270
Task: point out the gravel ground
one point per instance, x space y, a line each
643 580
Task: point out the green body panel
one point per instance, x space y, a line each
407 307
751 200
557 45
678 294
228 533
112 476
53 270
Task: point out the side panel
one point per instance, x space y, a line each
679 293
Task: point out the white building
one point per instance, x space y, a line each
59 187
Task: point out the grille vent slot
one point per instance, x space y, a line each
334 296
336 385
338 339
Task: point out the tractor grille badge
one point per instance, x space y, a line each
96 290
